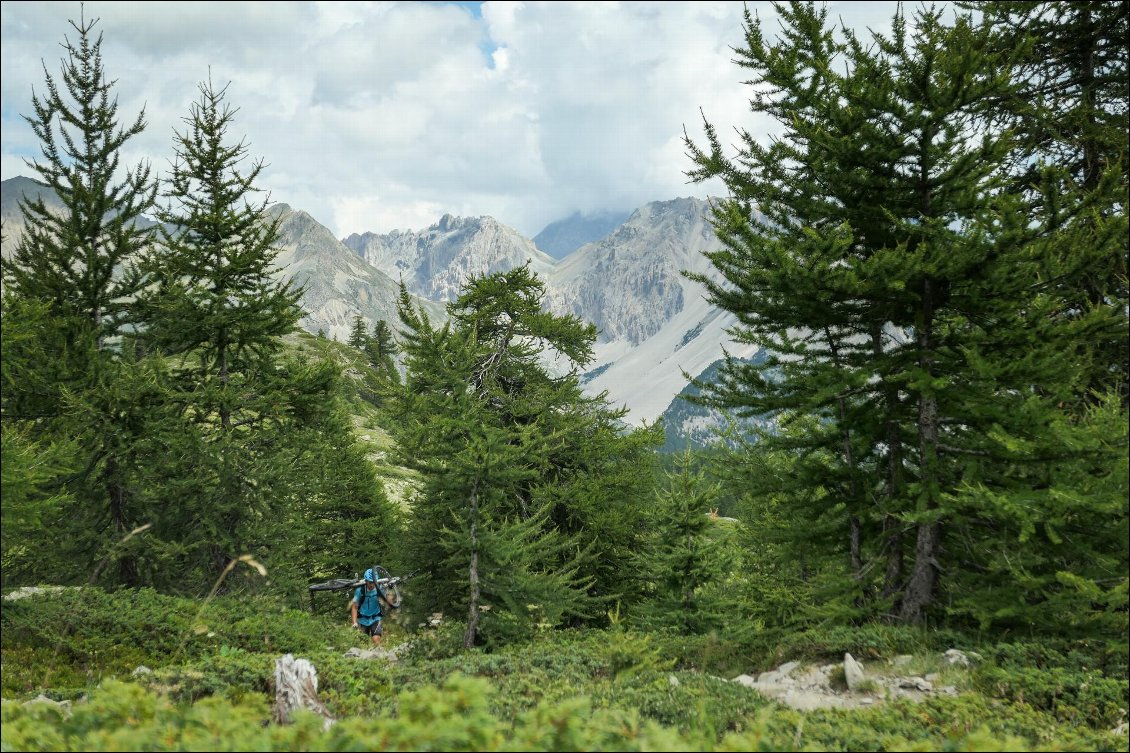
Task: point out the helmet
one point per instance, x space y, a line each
369 576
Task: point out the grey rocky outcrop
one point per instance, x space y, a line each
806 687
388 654
853 672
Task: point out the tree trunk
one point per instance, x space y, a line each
923 579
127 567
855 528
473 609
296 689
225 413
856 538
892 577
892 529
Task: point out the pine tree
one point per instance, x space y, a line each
80 264
214 294
897 281
381 350
358 338
70 259
215 307
686 561
511 485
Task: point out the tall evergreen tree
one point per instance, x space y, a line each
214 306
686 561
486 551
896 280
521 471
214 295
358 337
80 263
70 258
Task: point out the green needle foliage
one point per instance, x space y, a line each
526 481
911 300
253 424
1069 111
686 559
71 280
471 423
70 258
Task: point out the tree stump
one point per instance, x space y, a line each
296 687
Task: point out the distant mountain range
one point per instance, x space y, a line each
655 324
561 238
435 262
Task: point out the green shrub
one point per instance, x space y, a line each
1074 696
865 642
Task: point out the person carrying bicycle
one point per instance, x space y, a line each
365 609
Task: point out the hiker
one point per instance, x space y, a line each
365 608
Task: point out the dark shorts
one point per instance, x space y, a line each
370 630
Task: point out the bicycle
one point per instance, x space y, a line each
385 580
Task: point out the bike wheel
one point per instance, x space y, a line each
391 590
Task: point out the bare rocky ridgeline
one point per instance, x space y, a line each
811 686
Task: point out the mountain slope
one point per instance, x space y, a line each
630 283
12 219
339 285
435 262
563 237
655 324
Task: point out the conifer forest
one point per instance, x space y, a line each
910 530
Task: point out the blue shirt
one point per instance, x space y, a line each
368 605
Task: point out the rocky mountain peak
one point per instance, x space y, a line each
436 261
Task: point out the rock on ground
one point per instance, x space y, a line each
853 672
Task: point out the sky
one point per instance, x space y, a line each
375 116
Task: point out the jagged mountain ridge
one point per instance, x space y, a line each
338 285
435 262
630 283
654 323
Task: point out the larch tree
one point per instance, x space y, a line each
215 308
876 248
78 260
533 493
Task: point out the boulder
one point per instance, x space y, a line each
960 658
64 707
853 672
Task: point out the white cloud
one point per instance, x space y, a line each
374 115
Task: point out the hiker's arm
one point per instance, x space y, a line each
353 611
